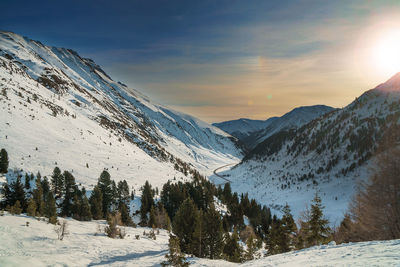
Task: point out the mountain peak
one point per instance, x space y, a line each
393 84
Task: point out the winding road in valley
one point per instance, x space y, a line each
220 176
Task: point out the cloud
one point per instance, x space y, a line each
260 69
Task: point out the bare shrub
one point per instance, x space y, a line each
246 233
112 230
61 229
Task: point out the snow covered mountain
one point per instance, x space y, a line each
253 132
328 154
243 128
58 108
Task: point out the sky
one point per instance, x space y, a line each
223 60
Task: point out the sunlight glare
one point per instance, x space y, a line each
388 53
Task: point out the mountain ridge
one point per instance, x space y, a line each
252 132
70 100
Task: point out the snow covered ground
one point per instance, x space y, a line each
37 245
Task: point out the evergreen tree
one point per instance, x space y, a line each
213 233
38 196
152 218
123 192
289 230
172 196
319 231
147 202
251 248
227 193
175 257
198 236
114 198
265 222
27 182
18 193
50 209
106 187
3 161
232 249
8 200
57 183
126 219
96 203
75 207
31 210
16 209
273 242
84 209
45 188
69 193
184 224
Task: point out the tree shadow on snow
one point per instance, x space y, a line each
127 257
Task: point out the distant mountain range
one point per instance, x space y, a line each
252 132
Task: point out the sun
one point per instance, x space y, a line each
387 53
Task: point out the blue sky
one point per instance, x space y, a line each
220 60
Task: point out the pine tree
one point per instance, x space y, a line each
251 248
3 161
152 218
147 202
184 224
96 203
123 192
198 236
38 196
232 249
175 257
106 187
57 183
31 210
289 230
18 193
27 182
69 192
8 200
16 209
274 244
84 209
319 230
213 233
75 207
125 217
50 209
45 188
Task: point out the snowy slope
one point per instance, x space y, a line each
291 120
242 128
253 132
37 245
58 108
328 155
